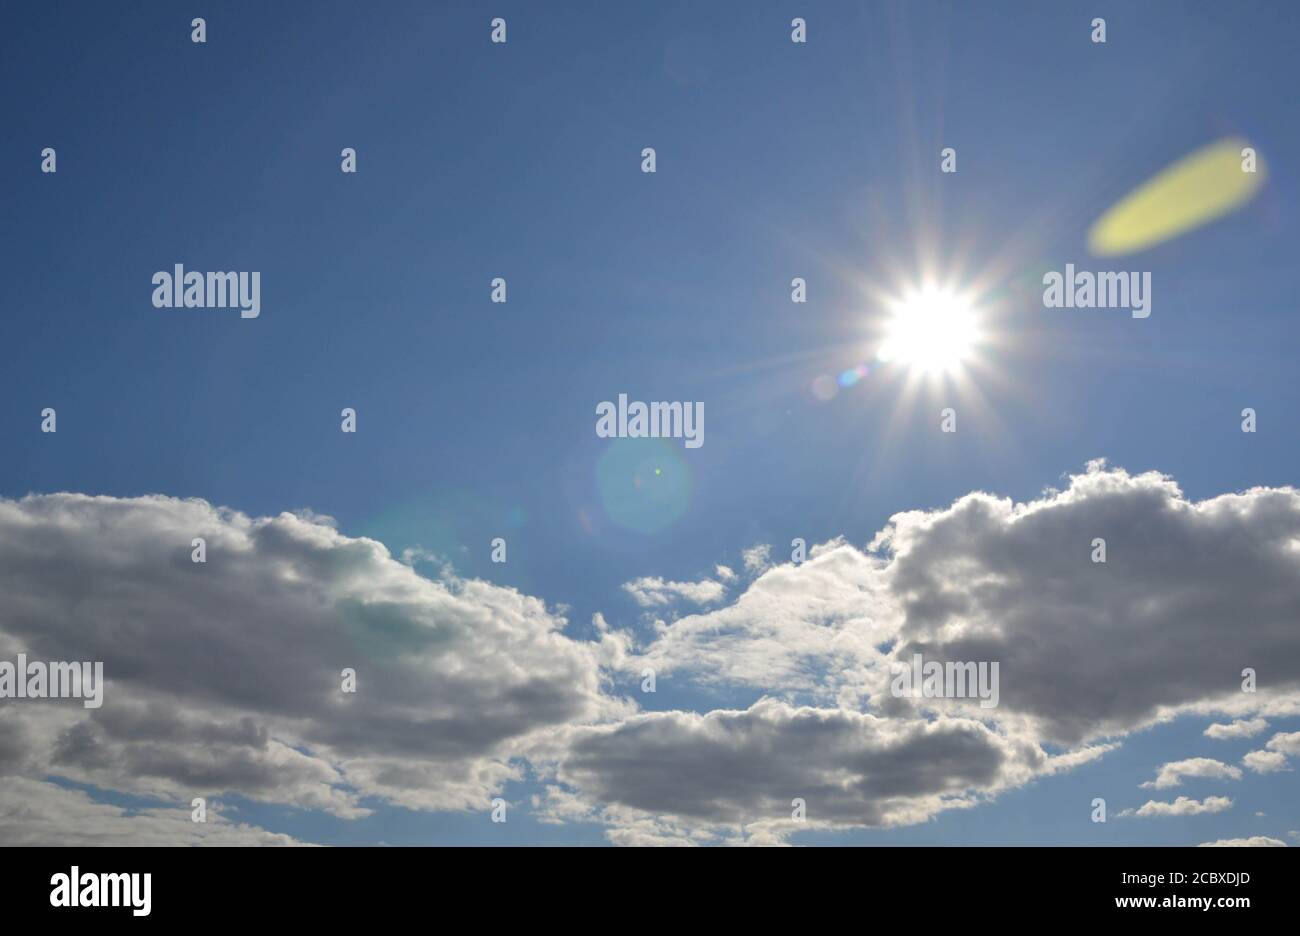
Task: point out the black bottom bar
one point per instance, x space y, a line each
334 886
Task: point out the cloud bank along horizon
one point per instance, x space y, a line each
229 683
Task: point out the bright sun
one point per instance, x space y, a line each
932 331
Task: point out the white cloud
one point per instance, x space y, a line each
1274 759
757 558
810 628
1182 806
1175 772
1241 728
652 592
1255 841
1288 743
1264 761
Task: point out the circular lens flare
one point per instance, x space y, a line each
932 331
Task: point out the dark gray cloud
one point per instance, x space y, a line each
746 767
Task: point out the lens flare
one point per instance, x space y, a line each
1200 188
644 484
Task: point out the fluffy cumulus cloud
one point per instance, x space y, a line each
1287 743
1255 841
1190 595
1274 757
224 677
1174 773
810 629
1264 761
1240 728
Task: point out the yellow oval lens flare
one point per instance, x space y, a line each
1194 191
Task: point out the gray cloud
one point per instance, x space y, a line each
225 676
1190 595
33 812
745 768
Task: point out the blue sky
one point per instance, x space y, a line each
522 161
